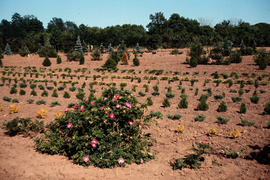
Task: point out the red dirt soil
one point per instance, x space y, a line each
20 160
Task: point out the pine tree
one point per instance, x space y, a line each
24 51
82 60
46 62
101 48
110 48
136 61
7 50
78 46
58 60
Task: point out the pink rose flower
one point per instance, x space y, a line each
46 123
69 125
86 158
117 96
102 107
93 145
66 134
128 105
94 141
75 106
118 106
113 99
66 110
139 122
121 161
60 132
67 140
105 99
92 102
112 116
130 123
82 110
205 141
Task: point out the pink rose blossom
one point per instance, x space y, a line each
93 145
205 141
113 99
94 141
105 99
112 116
66 110
67 140
130 123
46 123
117 96
66 134
82 110
75 106
118 106
60 132
69 125
92 102
128 105
139 122
121 161
102 107
86 158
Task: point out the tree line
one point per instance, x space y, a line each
174 32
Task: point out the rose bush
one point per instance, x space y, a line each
108 129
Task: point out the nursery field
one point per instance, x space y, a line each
234 123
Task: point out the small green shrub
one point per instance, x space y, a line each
44 93
183 104
15 100
222 107
243 108
22 92
23 85
156 114
166 103
24 126
262 58
33 93
58 60
66 95
267 108
245 122
72 89
235 57
200 118
174 116
39 102
254 98
54 94
236 99
55 103
136 61
176 52
149 101
203 106
13 90
33 86
30 101
141 93
46 62
41 87
222 120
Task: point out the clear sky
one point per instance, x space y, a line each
104 13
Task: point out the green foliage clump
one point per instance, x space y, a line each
54 94
99 132
7 50
22 92
267 108
47 51
174 116
55 103
66 95
33 93
41 101
236 99
58 60
203 106
74 56
24 126
222 107
82 60
111 62
13 90
149 101
183 104
235 57
44 93
166 102
262 58
243 108
46 62
222 120
254 98
156 114
192 161
8 99
96 55
136 61
200 118
245 122
24 51
176 52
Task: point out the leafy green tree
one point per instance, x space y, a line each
7 50
46 62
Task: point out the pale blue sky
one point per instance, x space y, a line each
104 13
